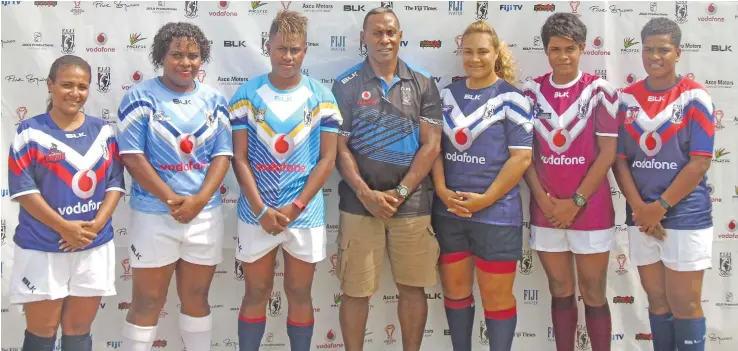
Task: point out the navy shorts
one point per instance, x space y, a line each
486 242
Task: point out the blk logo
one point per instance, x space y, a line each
560 94
721 48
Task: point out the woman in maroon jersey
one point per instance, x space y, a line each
572 215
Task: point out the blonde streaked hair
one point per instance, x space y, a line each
292 25
505 65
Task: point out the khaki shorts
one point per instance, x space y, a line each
412 247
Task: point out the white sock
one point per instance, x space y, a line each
197 332
137 338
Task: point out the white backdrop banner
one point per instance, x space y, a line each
114 37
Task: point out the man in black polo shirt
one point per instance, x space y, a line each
389 140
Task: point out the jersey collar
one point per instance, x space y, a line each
367 73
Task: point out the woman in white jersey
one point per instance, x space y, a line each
572 216
176 143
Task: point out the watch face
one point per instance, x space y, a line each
579 201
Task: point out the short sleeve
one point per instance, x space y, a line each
430 105
606 116
518 122
701 115
223 137
115 180
344 108
133 114
328 113
240 109
22 164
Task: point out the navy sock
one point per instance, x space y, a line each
662 331
460 316
300 335
33 342
77 342
501 328
690 334
250 332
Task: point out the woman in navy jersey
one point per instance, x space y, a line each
572 215
486 148
665 148
65 172
175 141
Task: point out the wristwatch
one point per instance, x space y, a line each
579 200
664 204
300 205
403 191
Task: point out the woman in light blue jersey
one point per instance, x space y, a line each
176 143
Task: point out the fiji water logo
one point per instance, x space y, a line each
84 183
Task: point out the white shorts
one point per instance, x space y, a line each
158 239
39 275
681 250
304 244
580 242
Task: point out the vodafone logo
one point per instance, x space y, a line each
732 226
462 136
101 39
598 42
653 164
366 95
650 143
560 140
282 146
137 77
187 144
562 160
630 79
84 183
79 208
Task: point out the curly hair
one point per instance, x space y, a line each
565 25
172 30
64 61
505 65
662 26
292 25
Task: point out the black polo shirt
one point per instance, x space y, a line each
382 123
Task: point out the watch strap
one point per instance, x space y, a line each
300 205
663 203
